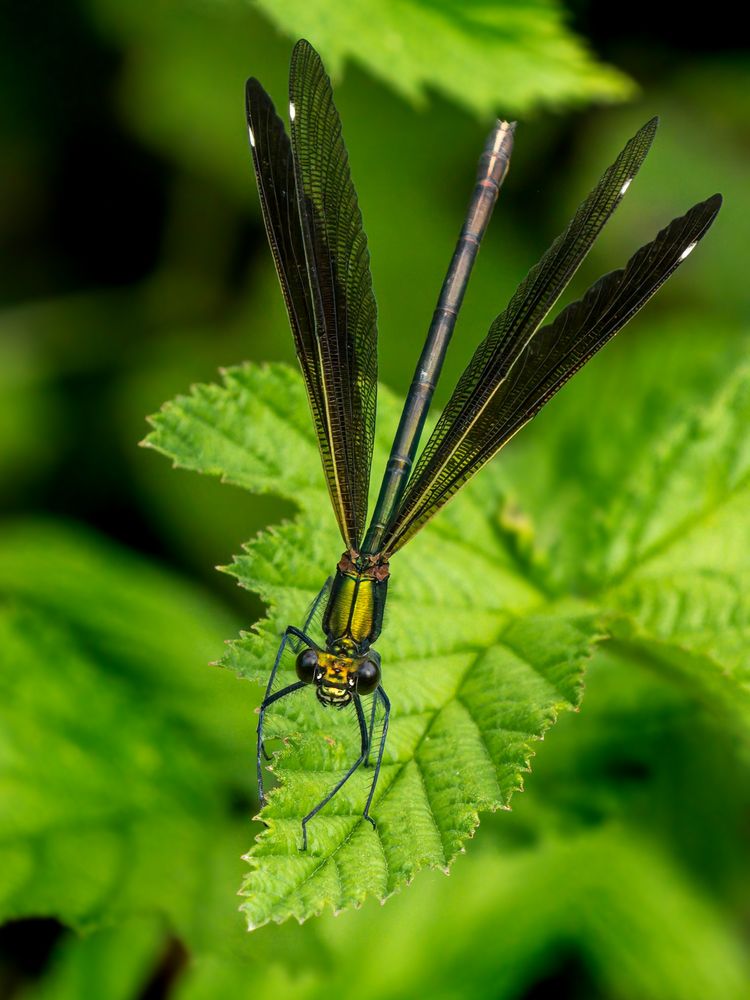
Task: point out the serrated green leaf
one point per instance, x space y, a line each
464 663
514 55
476 660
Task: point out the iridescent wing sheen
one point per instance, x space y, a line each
515 388
314 227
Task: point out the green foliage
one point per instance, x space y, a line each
623 871
514 55
104 802
661 936
476 672
518 56
657 538
677 566
478 658
115 963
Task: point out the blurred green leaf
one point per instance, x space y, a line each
118 747
150 628
462 643
658 535
114 964
515 55
488 57
608 898
30 415
634 923
582 447
677 563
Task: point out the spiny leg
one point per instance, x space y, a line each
363 736
387 706
289 689
290 633
299 634
371 729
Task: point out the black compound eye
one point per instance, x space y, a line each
306 665
367 674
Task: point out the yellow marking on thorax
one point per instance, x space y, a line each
361 626
353 611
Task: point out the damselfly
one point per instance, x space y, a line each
320 250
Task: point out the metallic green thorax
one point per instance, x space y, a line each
354 615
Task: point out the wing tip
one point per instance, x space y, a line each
257 102
304 51
706 210
646 133
306 63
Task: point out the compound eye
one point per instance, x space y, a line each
367 674
306 665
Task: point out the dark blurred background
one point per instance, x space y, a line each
135 263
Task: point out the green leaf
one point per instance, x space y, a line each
648 519
618 901
608 898
677 564
477 661
633 921
515 55
570 466
512 56
118 747
115 964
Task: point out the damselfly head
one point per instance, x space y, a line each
336 676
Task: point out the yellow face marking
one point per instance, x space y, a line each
336 671
336 677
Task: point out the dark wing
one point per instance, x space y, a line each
315 230
274 171
546 281
515 392
533 299
338 263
